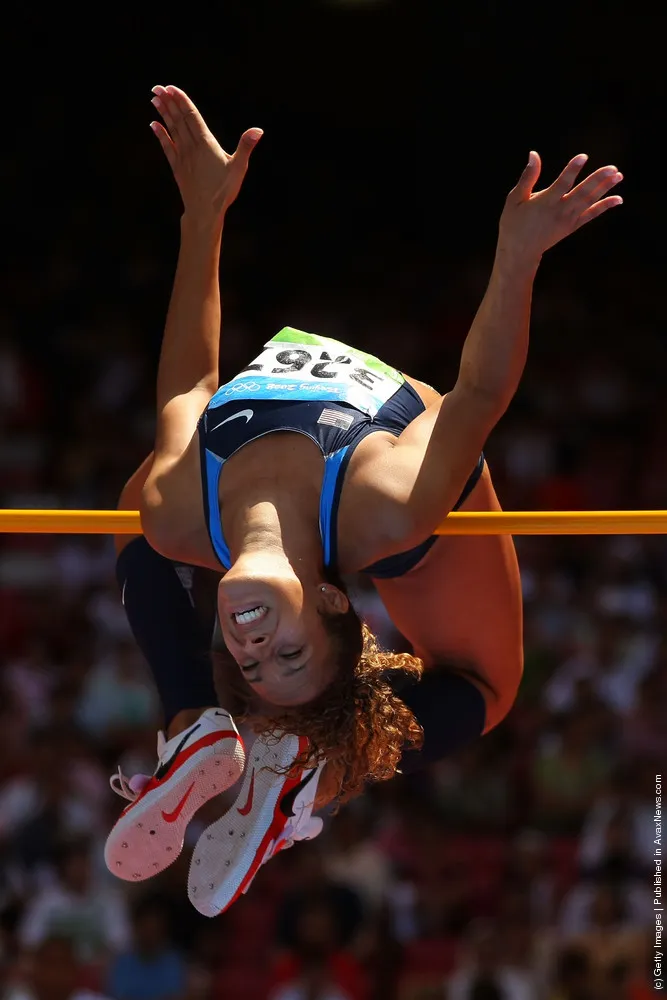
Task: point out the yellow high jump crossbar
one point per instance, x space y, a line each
529 522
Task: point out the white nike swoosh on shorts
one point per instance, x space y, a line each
248 414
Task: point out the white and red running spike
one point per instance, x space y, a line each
273 810
193 767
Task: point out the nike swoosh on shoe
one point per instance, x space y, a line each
287 802
230 851
163 769
193 768
171 817
248 806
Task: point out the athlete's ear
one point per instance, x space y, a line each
332 600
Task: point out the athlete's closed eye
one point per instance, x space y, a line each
290 655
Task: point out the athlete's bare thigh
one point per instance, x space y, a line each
462 602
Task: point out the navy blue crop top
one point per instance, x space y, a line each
334 405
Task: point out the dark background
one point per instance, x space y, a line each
393 132
392 135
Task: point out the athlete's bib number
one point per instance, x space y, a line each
318 365
311 367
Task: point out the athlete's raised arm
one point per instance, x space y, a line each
425 472
209 179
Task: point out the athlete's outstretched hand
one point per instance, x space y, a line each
532 221
208 178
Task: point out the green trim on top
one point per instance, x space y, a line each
289 335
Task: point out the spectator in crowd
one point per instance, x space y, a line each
613 663
606 931
309 887
572 979
644 735
528 871
316 966
355 860
53 972
617 834
567 774
116 696
151 969
41 806
486 973
94 917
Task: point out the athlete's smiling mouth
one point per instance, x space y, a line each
250 617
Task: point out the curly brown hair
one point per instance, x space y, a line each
358 724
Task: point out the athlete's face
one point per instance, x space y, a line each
274 629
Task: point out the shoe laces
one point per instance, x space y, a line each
131 788
128 788
307 830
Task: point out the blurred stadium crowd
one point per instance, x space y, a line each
516 870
